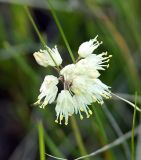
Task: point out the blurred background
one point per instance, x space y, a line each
118 25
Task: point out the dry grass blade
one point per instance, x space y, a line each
55 157
130 103
111 145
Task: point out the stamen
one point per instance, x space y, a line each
101 102
66 123
90 112
103 61
37 102
81 117
88 115
104 65
42 105
94 98
61 117
56 121
102 54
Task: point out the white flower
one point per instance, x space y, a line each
48 57
65 106
88 47
48 91
81 83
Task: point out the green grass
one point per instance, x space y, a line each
41 141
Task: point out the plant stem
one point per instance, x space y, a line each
78 136
39 35
35 26
61 30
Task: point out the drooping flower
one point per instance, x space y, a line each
87 48
82 106
48 91
65 106
48 57
88 90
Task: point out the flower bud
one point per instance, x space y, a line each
88 47
49 57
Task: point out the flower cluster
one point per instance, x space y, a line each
81 83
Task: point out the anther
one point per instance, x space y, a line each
66 123
88 115
81 109
81 117
90 112
104 53
108 66
56 121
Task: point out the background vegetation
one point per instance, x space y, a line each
118 25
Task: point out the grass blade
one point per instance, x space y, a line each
53 148
35 26
78 136
133 128
117 130
58 158
39 35
102 132
61 30
41 141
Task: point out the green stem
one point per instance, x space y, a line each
103 135
41 140
61 31
78 136
34 25
101 127
39 35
